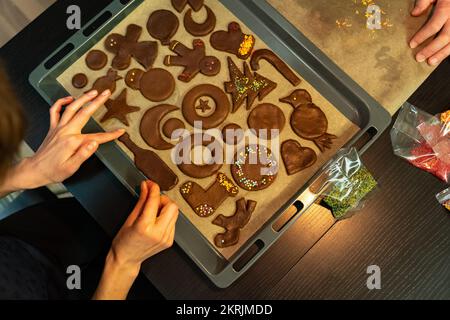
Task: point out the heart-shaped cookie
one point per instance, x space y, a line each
295 157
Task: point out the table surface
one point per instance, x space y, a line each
402 228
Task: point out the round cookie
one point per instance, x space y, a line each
232 134
249 166
163 25
80 80
188 166
96 60
171 126
220 113
155 84
266 117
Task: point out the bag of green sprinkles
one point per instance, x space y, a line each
348 183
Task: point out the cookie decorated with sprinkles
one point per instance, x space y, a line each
255 168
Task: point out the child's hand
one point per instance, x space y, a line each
439 24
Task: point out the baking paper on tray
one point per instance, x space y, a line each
269 200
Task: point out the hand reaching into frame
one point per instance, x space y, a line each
439 24
65 148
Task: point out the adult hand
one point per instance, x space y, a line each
439 24
65 148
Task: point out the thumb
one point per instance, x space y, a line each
421 6
83 153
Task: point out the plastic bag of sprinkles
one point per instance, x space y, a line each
347 184
444 198
423 140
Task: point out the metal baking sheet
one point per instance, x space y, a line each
296 50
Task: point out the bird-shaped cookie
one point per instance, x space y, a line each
308 121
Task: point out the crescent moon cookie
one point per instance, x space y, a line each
179 5
79 81
151 124
275 61
254 168
106 82
234 223
244 86
155 84
193 60
198 171
206 202
200 29
233 41
128 46
190 106
119 108
297 158
96 60
151 165
266 117
163 25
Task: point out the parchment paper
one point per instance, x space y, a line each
379 61
269 200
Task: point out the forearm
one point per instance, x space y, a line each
116 280
15 179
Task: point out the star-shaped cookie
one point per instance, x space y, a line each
119 109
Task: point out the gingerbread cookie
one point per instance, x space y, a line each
193 60
119 108
106 82
79 81
151 165
254 168
234 223
206 90
200 29
206 202
266 117
150 126
179 5
297 158
155 84
163 25
244 86
275 61
232 134
128 46
96 60
233 41
171 126
188 165
308 121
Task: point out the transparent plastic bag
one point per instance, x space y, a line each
347 184
423 140
444 198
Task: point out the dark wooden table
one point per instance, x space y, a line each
402 228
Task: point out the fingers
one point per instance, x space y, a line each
82 117
432 27
442 40
168 216
102 138
440 56
139 206
73 108
151 206
83 153
55 111
421 6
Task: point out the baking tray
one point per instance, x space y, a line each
294 48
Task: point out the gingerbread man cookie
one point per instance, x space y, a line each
233 41
234 224
193 60
125 47
206 202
